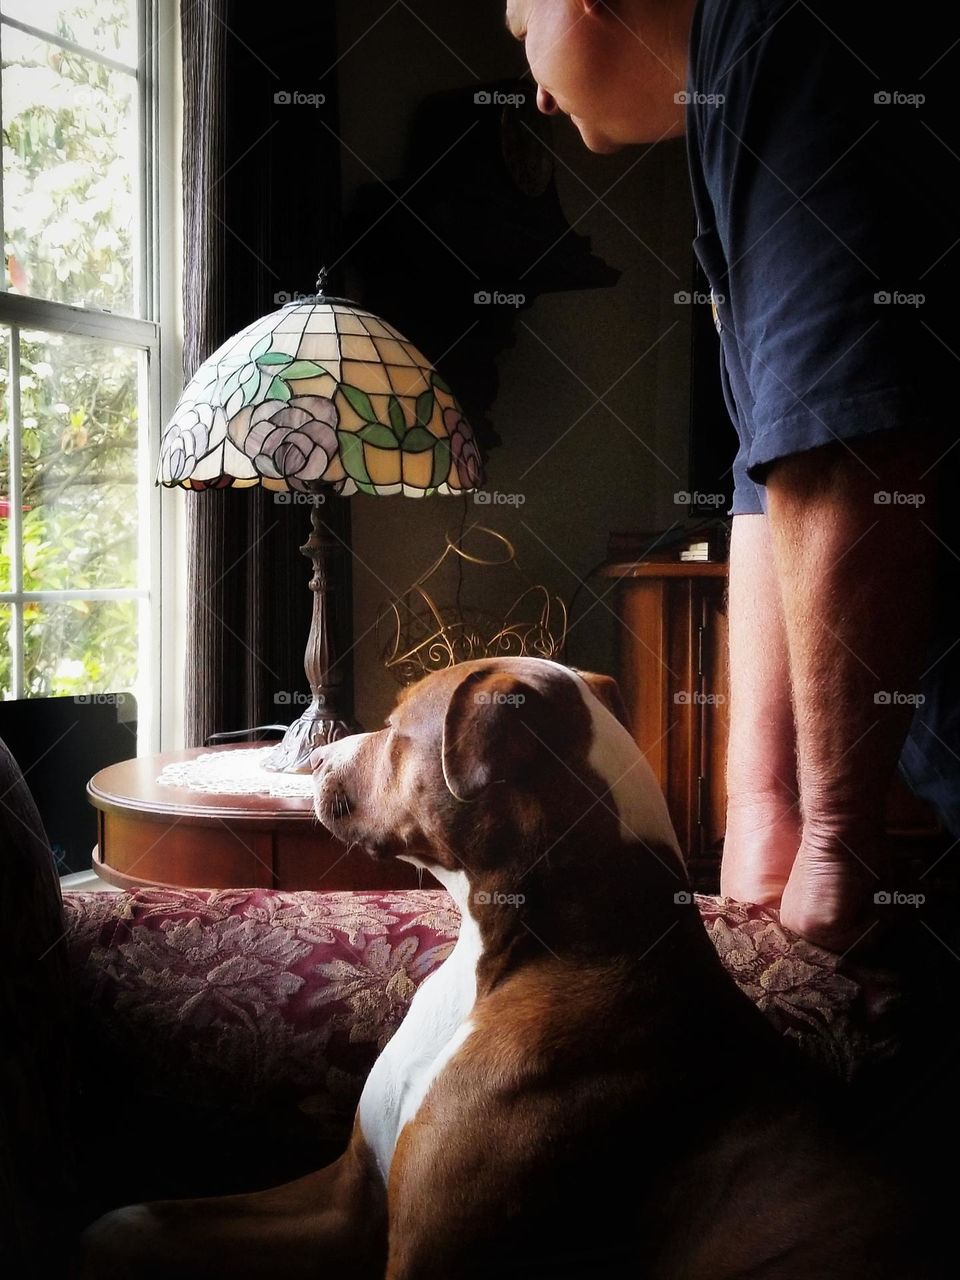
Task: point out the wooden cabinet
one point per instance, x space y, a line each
672 670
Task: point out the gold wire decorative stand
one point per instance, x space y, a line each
417 635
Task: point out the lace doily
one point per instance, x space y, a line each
236 773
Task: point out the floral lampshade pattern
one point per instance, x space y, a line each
320 391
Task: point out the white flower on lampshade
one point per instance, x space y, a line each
196 431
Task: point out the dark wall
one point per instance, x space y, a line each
577 466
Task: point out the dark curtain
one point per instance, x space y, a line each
261 213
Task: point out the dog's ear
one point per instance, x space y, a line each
608 691
487 733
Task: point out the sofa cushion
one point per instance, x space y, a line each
248 998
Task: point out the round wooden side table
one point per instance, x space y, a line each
152 834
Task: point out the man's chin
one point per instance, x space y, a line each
595 141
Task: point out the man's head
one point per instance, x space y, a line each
613 67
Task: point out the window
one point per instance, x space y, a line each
79 350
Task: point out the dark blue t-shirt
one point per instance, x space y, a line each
825 161
824 149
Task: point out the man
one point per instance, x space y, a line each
824 162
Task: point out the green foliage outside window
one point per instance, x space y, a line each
70 165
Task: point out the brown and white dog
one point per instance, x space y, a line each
580 1090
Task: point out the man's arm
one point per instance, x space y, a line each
763 813
856 581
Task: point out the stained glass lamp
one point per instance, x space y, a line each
320 397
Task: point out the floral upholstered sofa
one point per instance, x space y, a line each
252 997
176 1042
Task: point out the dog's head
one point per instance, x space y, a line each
480 763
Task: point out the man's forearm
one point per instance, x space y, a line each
856 581
763 815
761 759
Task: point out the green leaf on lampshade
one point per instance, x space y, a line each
351 455
376 433
274 357
260 346
279 390
359 402
418 440
441 463
439 383
397 420
303 369
425 402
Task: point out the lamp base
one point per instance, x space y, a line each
315 728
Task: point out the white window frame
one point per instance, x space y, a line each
156 333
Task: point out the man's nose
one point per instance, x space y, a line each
546 102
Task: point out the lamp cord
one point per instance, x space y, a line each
213 738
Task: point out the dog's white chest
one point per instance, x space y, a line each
436 1025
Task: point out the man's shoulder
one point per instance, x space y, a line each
744 33
724 30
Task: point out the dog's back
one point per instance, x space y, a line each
588 1128
735 1163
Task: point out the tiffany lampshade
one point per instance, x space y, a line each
320 397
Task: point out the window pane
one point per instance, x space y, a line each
80 646
70 160
7 690
80 453
108 26
6 583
